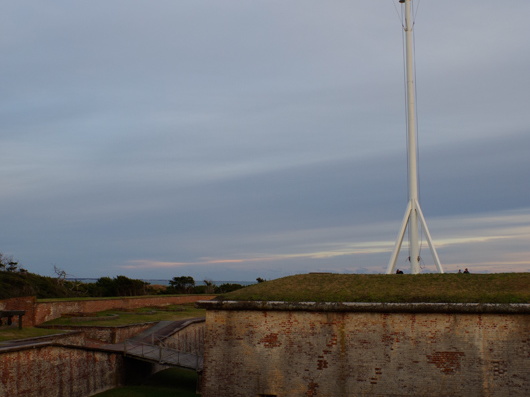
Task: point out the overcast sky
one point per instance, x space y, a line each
234 139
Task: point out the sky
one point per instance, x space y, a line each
230 140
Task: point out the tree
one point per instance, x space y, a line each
120 286
8 263
61 274
105 286
12 266
210 287
260 280
227 287
126 286
182 284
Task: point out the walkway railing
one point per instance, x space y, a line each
161 354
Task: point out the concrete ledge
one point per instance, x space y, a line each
471 308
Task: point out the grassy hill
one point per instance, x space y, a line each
402 288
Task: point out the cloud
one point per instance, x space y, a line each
258 137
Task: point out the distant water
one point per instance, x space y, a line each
166 282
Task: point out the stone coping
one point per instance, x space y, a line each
376 307
45 340
40 345
85 326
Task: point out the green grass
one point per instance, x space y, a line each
12 333
403 288
95 298
166 313
173 382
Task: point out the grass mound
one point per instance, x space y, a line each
402 288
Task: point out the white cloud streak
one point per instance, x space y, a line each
267 136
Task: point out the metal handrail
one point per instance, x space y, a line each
159 353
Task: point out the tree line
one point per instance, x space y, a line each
17 281
186 285
22 283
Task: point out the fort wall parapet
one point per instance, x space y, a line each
106 335
282 349
40 312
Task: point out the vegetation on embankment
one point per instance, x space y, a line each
398 288
19 282
116 318
23 283
15 284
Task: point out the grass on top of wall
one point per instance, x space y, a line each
104 298
117 317
398 288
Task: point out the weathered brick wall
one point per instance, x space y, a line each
189 339
46 311
40 312
26 303
56 371
73 338
106 335
289 353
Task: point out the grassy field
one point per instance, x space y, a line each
402 288
107 319
102 298
171 382
143 315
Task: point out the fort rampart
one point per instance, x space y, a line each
277 349
40 312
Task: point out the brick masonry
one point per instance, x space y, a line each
75 364
26 303
106 335
40 312
63 365
59 371
190 339
282 351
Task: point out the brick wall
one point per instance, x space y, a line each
289 352
95 335
189 339
26 303
40 312
58 371
46 311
